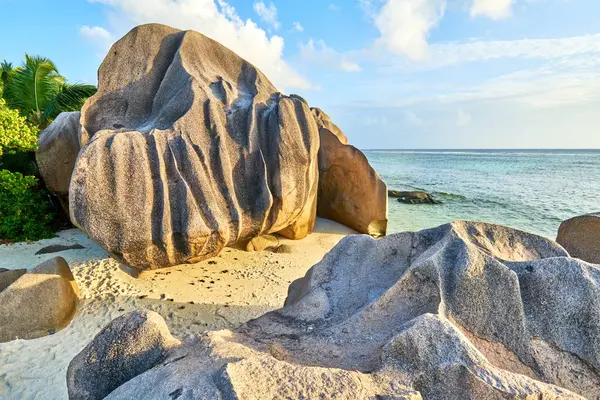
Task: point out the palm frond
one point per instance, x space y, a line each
69 98
33 86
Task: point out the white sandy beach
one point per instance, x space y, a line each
222 292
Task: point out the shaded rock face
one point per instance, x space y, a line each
463 311
189 148
58 147
350 190
39 302
580 236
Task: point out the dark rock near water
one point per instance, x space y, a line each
413 197
55 248
462 311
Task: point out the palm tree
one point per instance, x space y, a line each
40 92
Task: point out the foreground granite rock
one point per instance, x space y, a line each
58 147
350 190
463 311
39 302
580 236
127 347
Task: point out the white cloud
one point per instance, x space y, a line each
447 54
216 19
100 36
267 13
404 25
319 54
298 26
334 7
94 32
494 9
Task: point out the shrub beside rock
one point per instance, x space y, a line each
25 209
40 302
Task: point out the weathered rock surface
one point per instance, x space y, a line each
412 197
189 148
580 236
350 190
463 311
129 346
58 147
39 302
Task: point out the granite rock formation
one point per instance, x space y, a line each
187 148
580 236
462 311
190 148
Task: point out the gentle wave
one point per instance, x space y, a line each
484 153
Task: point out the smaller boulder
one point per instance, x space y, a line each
414 197
263 242
41 301
58 147
580 236
127 347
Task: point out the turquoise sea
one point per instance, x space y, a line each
532 190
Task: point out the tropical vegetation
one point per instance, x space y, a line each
31 96
39 92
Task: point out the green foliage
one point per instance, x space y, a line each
16 134
39 91
24 208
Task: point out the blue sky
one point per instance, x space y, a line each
390 73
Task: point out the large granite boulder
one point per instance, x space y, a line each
190 148
187 148
350 190
58 147
463 311
39 302
580 236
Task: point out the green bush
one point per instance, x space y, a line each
16 134
25 212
